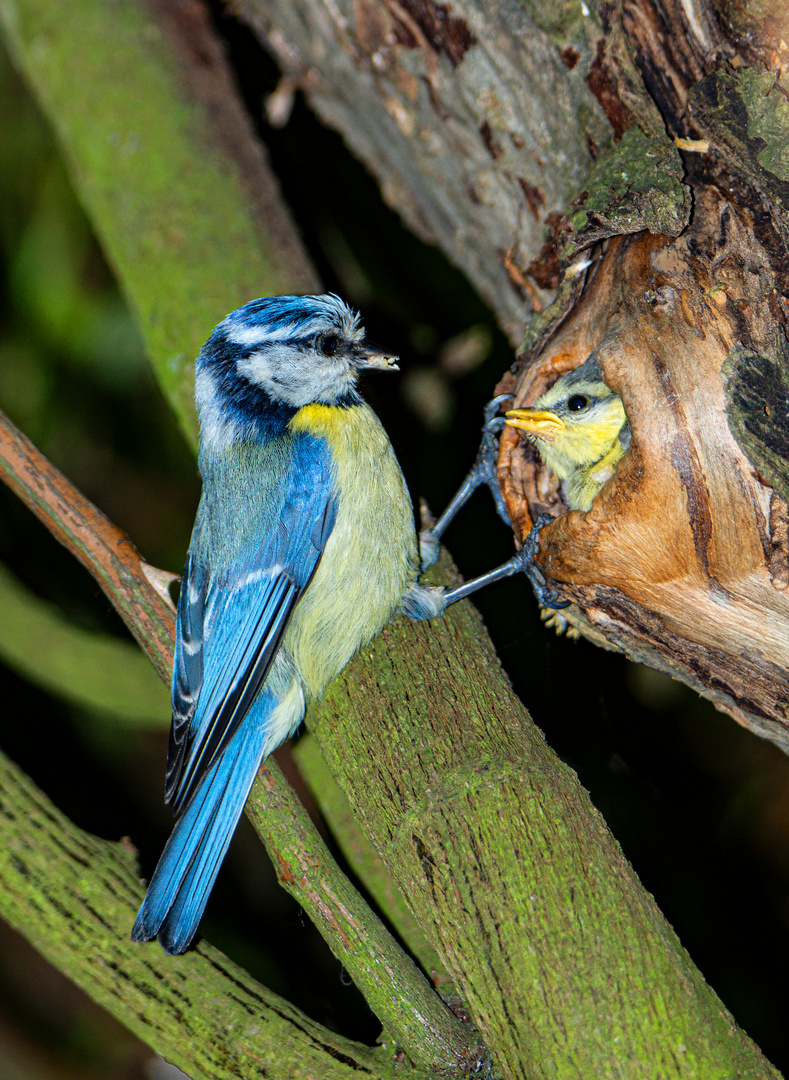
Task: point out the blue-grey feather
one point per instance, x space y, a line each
259 555
247 651
179 890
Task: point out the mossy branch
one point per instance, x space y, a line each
567 965
416 1019
72 895
365 860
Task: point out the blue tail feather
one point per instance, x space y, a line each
184 877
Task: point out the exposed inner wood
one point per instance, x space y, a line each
682 559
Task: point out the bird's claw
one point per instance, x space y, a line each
484 469
546 597
491 409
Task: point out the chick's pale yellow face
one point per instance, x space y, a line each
576 424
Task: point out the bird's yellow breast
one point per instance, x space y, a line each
327 421
370 559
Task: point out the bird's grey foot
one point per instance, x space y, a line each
546 597
522 563
483 471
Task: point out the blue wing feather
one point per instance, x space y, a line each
232 614
244 610
247 647
187 669
179 890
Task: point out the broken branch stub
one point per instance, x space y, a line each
682 561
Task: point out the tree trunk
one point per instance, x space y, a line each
569 968
665 124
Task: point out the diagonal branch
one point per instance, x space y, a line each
71 895
104 550
416 1019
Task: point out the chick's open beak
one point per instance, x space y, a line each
373 357
542 425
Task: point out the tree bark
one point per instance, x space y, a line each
567 965
476 118
682 560
487 123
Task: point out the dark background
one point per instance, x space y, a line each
700 806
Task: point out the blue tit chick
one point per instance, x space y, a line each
580 430
303 547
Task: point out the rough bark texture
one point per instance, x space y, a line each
71 895
475 118
682 560
502 856
486 122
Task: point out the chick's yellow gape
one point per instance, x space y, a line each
580 430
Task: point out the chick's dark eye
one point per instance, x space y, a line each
329 344
577 402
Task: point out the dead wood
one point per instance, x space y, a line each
682 560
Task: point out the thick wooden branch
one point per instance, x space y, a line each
416 1019
568 967
476 118
367 863
73 896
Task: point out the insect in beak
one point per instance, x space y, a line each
375 358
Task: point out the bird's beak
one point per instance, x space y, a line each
373 357
542 425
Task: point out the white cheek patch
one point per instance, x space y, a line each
289 376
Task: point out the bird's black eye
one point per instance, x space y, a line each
577 402
329 344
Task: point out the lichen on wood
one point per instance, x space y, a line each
636 186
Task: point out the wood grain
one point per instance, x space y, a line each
682 560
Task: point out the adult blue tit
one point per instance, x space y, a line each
303 547
580 430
